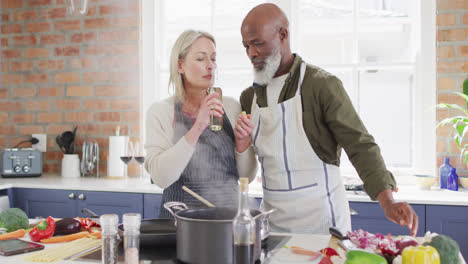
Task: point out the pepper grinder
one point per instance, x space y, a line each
110 238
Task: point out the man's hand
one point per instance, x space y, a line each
399 212
242 131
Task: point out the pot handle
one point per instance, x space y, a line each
177 206
266 214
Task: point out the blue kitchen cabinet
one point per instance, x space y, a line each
451 221
68 203
110 203
370 217
44 202
151 205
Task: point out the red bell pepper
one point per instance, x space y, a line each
87 223
43 230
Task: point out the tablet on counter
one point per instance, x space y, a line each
17 246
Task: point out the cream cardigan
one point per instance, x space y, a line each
165 161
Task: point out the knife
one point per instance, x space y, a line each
343 240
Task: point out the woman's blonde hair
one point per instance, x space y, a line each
179 52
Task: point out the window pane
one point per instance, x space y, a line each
226 29
385 31
194 15
228 19
325 34
386 109
163 89
234 82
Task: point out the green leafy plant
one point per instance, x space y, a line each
459 122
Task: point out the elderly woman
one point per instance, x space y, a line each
181 150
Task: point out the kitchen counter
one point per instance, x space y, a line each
406 193
274 251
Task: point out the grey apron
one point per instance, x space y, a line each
211 172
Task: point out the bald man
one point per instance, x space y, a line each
300 119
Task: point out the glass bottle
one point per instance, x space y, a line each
243 228
131 225
452 180
444 171
110 239
216 124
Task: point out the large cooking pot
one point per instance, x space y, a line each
204 236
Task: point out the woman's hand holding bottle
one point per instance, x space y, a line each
211 105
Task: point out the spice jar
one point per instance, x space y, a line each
110 239
131 225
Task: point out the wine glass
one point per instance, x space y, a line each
139 156
127 156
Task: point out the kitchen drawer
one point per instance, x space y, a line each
44 202
68 203
451 221
371 218
110 203
151 205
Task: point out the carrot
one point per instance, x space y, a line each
303 251
15 234
67 238
95 232
97 235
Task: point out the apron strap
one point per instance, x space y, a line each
301 77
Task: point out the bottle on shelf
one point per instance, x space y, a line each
452 180
444 171
131 225
243 228
110 238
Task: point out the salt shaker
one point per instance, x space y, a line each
110 238
131 225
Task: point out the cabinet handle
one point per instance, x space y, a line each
81 196
71 196
352 211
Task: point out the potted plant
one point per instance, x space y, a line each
459 122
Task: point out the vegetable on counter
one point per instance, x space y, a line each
15 234
13 219
67 238
329 252
87 223
363 257
420 255
67 226
303 251
448 249
43 230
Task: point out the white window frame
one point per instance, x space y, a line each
424 135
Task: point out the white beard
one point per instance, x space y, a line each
265 75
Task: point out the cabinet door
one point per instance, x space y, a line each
45 202
371 218
451 221
110 203
151 205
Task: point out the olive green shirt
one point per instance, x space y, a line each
331 123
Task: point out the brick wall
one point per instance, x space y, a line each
59 70
452 67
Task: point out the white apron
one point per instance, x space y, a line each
308 193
